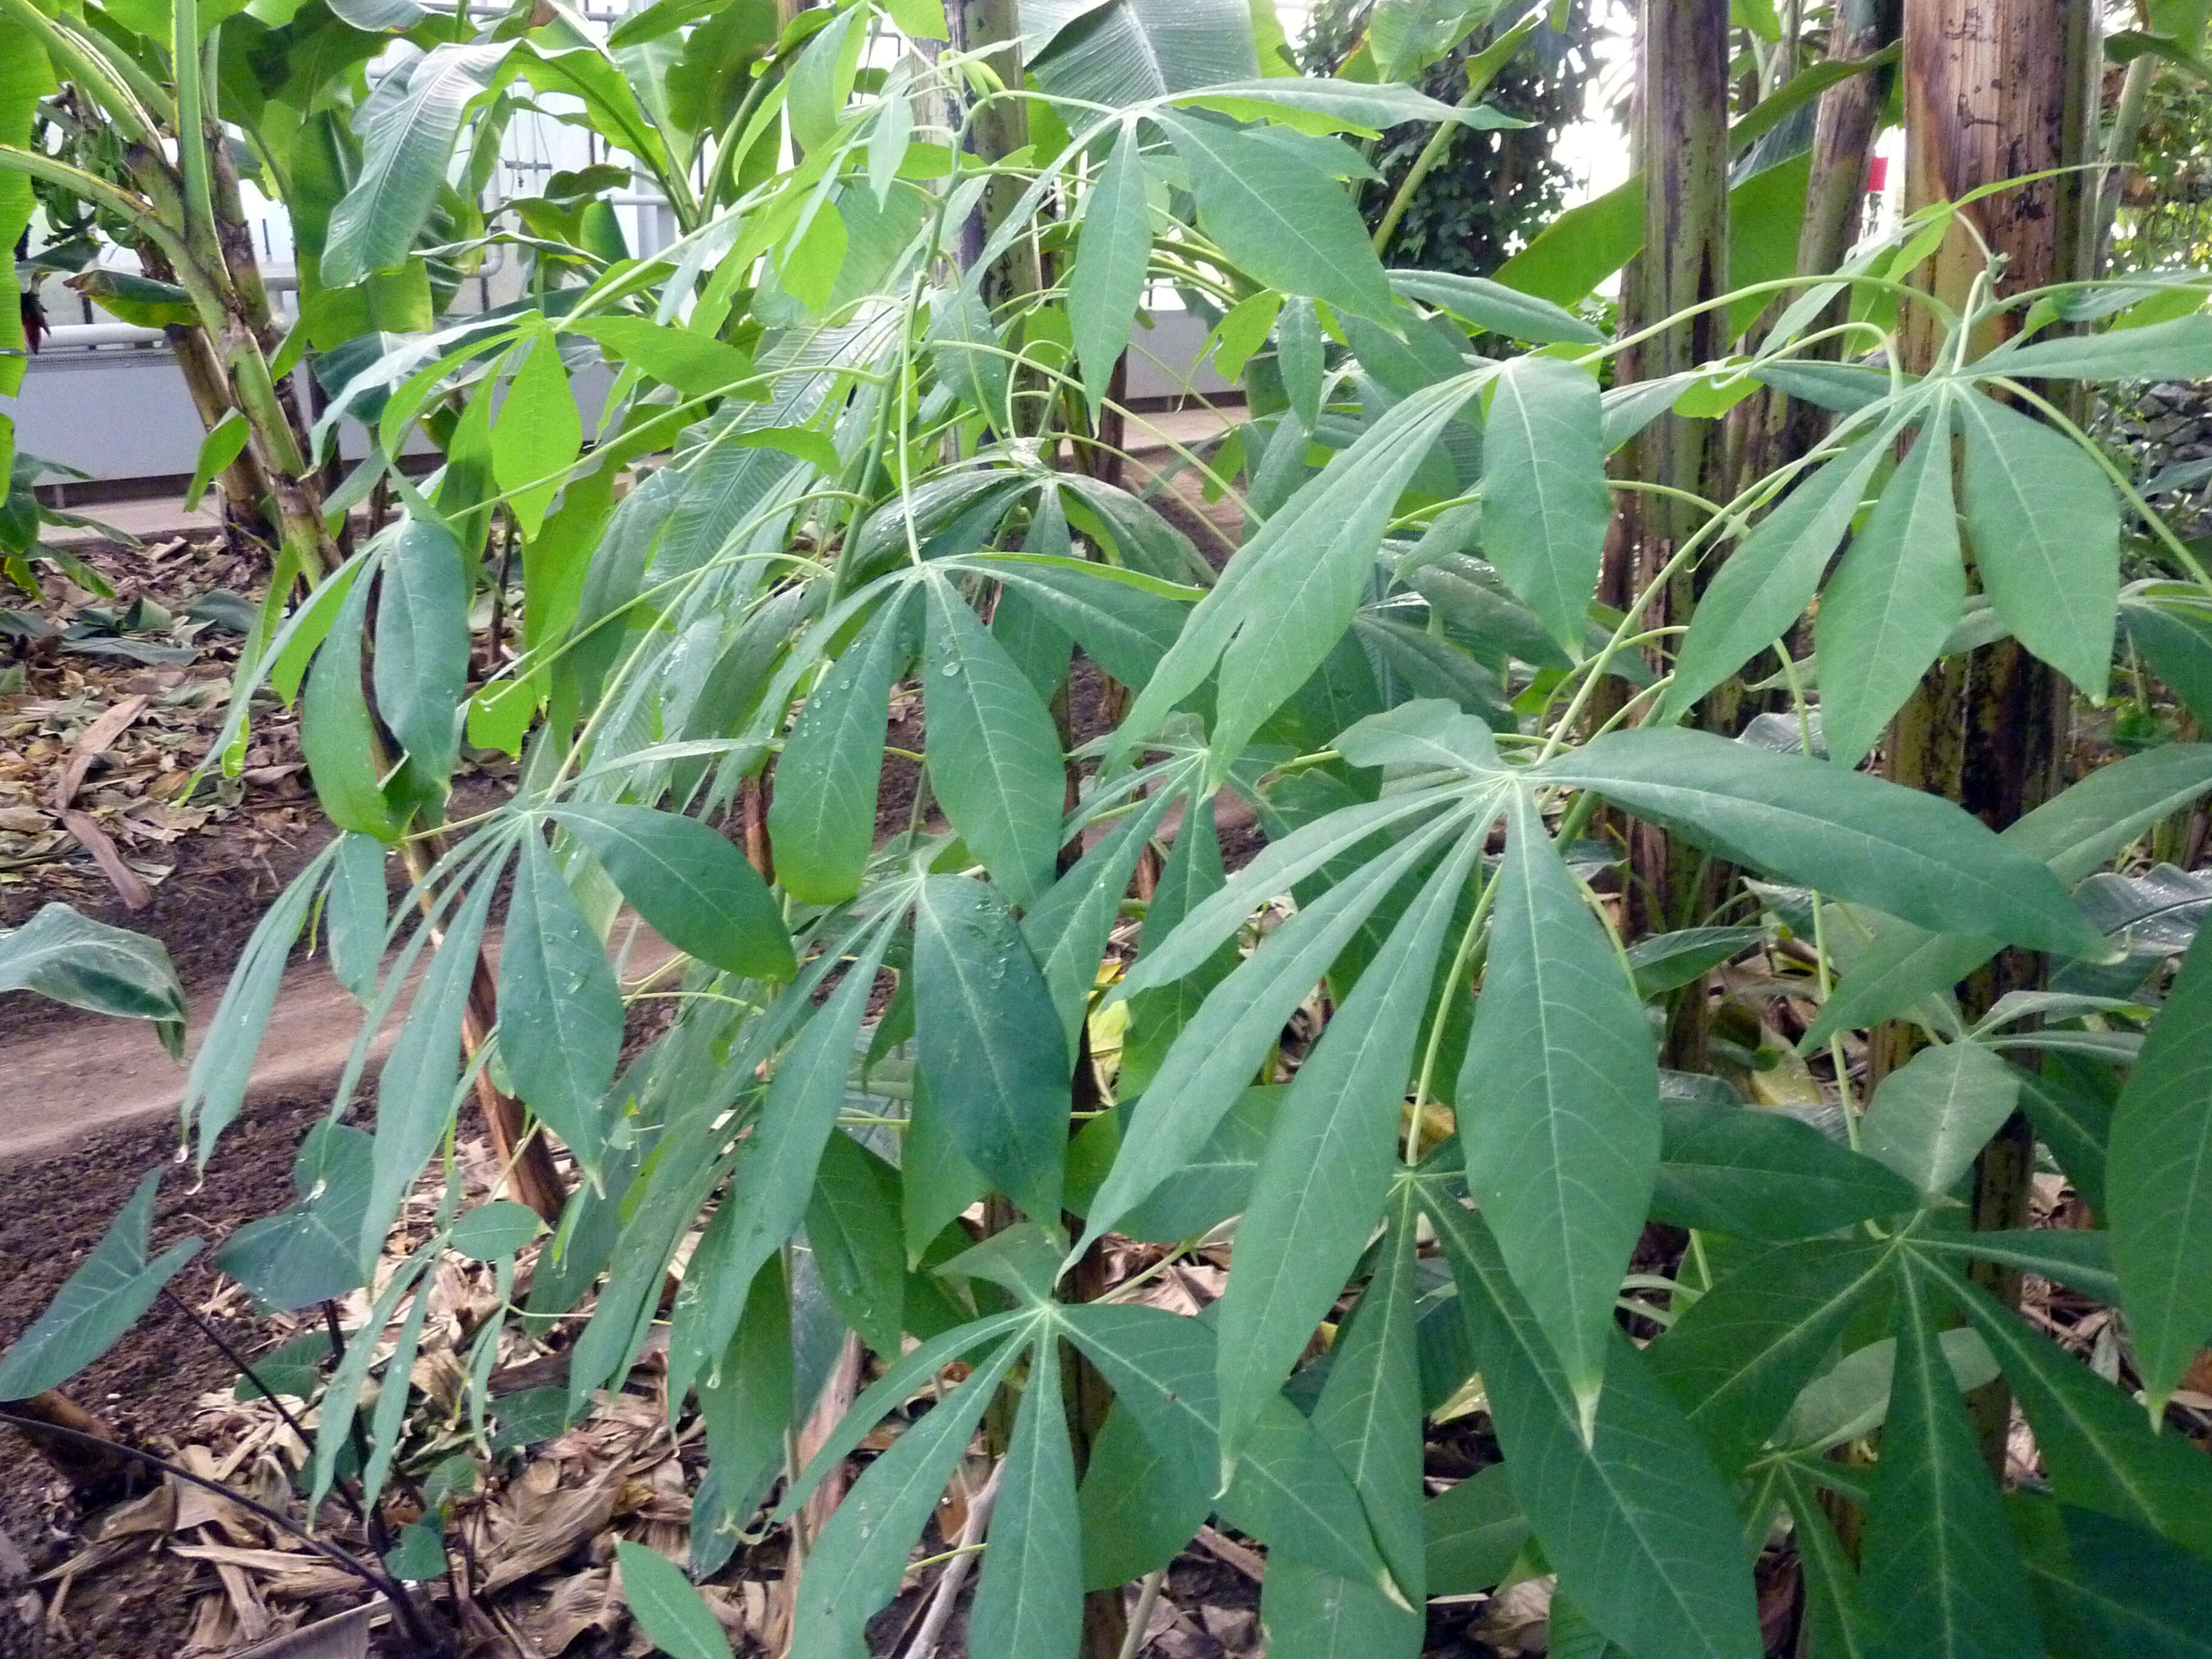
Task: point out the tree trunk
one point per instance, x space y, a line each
1780 429
1993 89
1680 143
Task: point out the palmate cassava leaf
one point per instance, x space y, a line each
1941 1575
559 1010
693 886
1030 1600
1931 1115
989 1042
1206 1070
1559 1101
1545 499
1894 598
1328 1163
1854 837
1765 1175
1629 1512
1289 593
2104 1587
2158 1182
821 820
98 1302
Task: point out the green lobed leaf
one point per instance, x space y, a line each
357 914
98 1302
1894 599
1559 1102
822 818
988 1041
1279 217
559 1010
694 888
2178 350
2046 535
1029 1601
1940 1575
538 435
853 1228
1546 503
2158 1182
994 757
1328 1158
1852 836
1630 1513
2107 1587
336 736
1475 1532
73 959
1494 308
1215 1056
1307 1612
1931 1115
1739 1356
1765 1175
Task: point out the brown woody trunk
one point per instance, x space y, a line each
1680 141
1993 89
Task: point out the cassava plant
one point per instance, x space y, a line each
922 1064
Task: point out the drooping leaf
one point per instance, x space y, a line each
1940 1576
2046 534
559 1010
73 959
2158 1182
693 886
1495 307
336 735
1852 836
1545 501
355 912
994 757
1031 1597
98 1302
1932 1115
988 1042
1894 598
1630 1513
1765 1175
1558 1099
1307 1612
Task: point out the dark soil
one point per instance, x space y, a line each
145 1388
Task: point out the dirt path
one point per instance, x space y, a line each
83 1073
